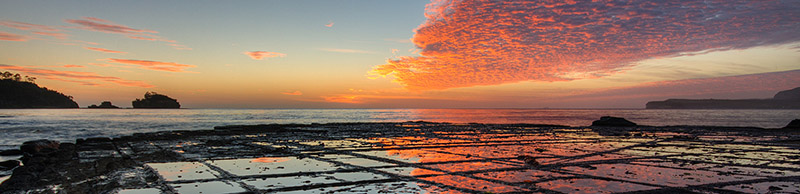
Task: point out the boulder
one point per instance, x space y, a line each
36 146
608 121
795 124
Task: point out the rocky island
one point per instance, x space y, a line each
19 92
788 99
155 100
104 104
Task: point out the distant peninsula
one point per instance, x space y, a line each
19 92
155 100
788 99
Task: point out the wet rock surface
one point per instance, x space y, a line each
420 157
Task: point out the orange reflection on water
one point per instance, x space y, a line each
270 159
473 184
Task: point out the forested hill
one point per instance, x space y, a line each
25 94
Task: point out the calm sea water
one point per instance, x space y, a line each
20 125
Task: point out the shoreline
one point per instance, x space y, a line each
135 162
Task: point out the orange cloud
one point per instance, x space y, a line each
12 37
153 65
103 50
84 78
329 25
295 93
258 55
470 43
74 66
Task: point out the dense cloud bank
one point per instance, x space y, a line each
485 42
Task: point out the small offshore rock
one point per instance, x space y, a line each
36 146
9 164
14 152
529 160
609 121
795 124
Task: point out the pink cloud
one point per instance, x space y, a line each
101 25
258 55
106 26
103 50
12 37
142 38
295 93
329 25
84 78
153 65
471 43
28 26
61 36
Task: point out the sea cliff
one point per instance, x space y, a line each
788 99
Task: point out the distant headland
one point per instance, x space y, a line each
21 92
787 99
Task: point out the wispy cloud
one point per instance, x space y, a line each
57 35
73 66
12 37
103 50
295 93
258 55
470 43
330 24
338 50
153 65
106 26
84 78
101 25
28 26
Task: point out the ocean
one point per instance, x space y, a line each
66 125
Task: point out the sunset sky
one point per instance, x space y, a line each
404 54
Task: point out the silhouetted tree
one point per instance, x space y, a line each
16 77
